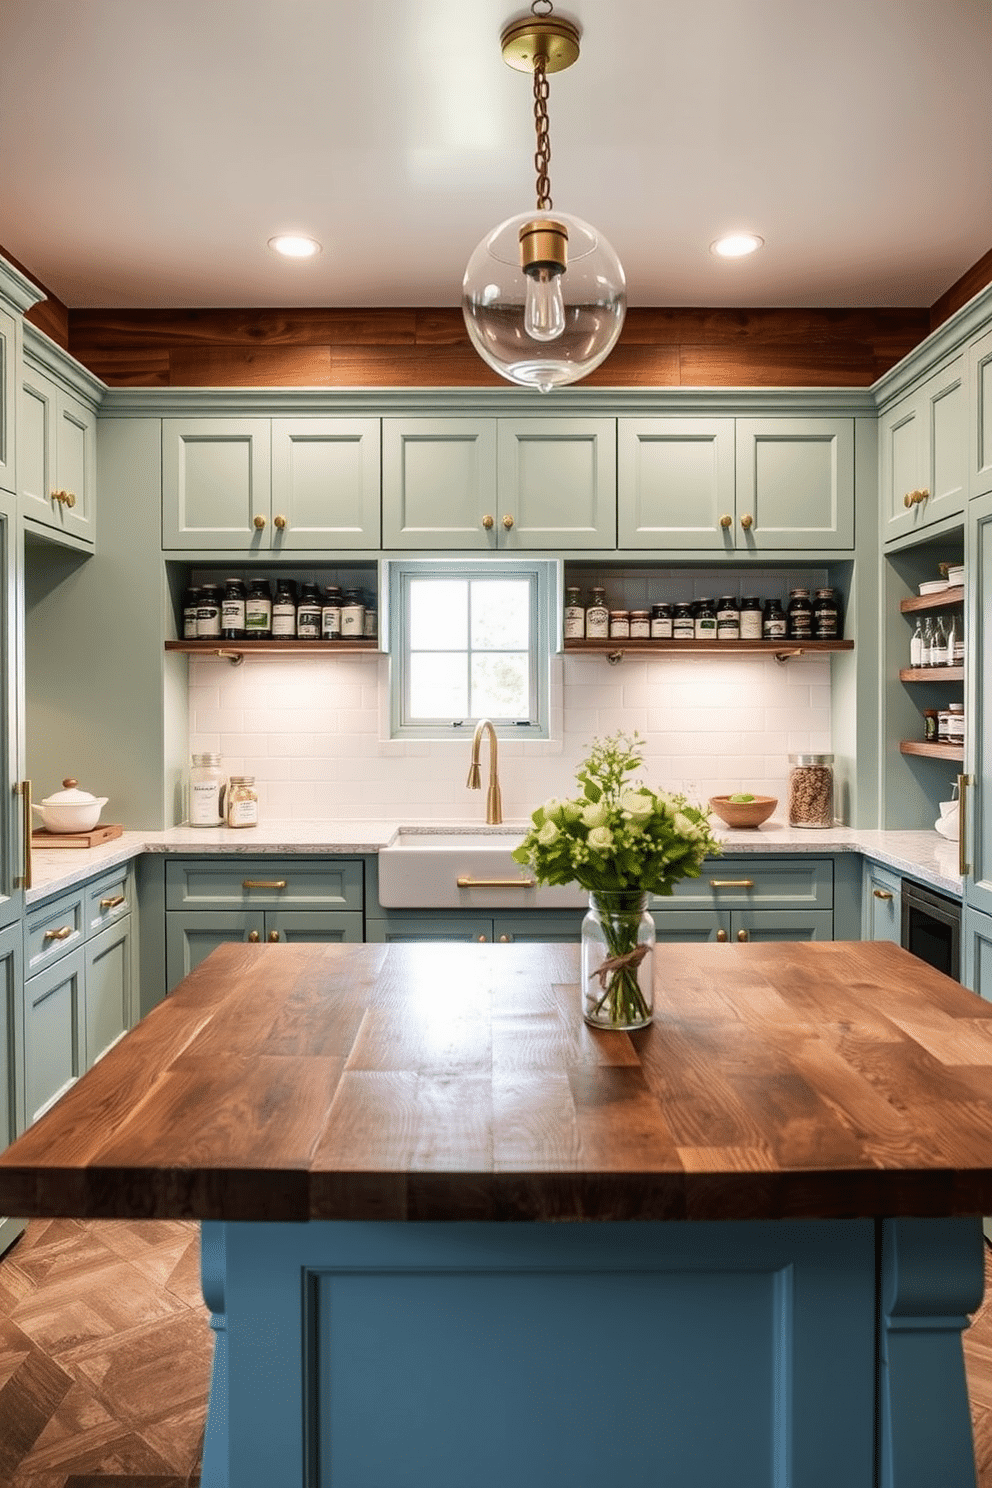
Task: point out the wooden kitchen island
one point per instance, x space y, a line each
453 1238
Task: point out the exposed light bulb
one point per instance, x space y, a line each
544 310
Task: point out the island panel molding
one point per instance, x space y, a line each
815 1080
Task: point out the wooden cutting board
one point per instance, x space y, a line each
107 833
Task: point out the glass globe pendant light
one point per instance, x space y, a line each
544 294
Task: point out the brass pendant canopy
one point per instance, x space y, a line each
533 36
543 243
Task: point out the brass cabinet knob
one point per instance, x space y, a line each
259 523
742 935
482 939
487 522
279 522
747 521
726 520
914 498
507 521
273 936
881 893
70 499
721 935
65 498
253 937
504 940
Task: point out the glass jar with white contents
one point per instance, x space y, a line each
242 802
206 791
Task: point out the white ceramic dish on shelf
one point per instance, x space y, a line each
934 586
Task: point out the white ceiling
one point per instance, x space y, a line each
149 148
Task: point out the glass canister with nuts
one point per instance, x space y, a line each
811 790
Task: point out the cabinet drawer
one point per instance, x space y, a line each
52 1052
264 883
750 883
53 929
107 899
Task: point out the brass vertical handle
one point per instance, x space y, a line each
23 789
721 936
964 867
743 935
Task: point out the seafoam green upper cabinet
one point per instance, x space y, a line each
8 399
733 486
325 483
504 484
675 483
56 458
264 486
923 452
980 433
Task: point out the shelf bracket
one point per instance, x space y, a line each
614 657
783 656
236 658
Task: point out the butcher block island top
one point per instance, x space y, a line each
449 1082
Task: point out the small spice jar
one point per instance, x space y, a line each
684 624
242 802
370 623
750 618
705 620
955 723
330 614
826 616
728 618
208 613
931 725
597 617
575 615
619 625
800 615
640 624
774 626
191 604
811 790
258 610
352 617
308 613
284 610
661 622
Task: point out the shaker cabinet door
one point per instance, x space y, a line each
8 400
53 1053
980 432
325 483
557 483
795 484
56 458
439 483
675 483
216 484
923 452
107 989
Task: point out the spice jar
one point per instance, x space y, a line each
661 622
232 611
619 625
330 614
191 604
705 622
955 723
683 625
284 610
258 610
208 613
370 624
931 725
206 791
800 615
826 616
242 802
352 617
750 618
811 790
575 615
597 617
640 624
774 626
728 618
308 613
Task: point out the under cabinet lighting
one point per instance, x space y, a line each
293 245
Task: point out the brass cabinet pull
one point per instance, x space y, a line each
913 498
23 789
964 867
487 522
259 524
507 521
726 521
279 522
881 893
273 936
62 933
504 940
467 882
747 521
731 883
482 939
742 935
253 937
112 902
263 883
721 936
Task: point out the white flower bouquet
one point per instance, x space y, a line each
621 840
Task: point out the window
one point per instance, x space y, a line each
470 641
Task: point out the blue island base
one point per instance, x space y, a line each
771 1354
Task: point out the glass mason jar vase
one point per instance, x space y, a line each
618 939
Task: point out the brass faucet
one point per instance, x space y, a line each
494 801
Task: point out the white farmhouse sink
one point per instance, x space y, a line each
421 870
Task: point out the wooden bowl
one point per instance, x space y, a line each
744 813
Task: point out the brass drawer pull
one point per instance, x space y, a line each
731 883
61 934
881 893
112 902
264 883
721 936
466 882
742 936
253 937
273 936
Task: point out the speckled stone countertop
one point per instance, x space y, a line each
923 855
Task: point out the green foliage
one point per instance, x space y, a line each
618 834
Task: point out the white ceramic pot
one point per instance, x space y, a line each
71 809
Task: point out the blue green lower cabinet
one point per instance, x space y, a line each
881 907
743 924
11 1053
107 998
761 1354
976 947
191 935
418 924
54 1056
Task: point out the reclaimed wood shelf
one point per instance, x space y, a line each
932 751
931 674
941 601
238 650
649 647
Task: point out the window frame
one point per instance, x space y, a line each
545 577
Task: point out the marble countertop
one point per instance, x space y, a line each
923 855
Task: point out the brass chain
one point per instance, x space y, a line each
542 155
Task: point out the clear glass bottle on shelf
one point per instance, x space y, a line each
938 644
597 617
575 615
954 655
916 645
927 643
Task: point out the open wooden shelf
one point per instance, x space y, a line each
702 648
932 751
228 649
931 674
942 601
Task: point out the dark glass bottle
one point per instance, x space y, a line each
750 618
232 611
826 616
284 610
308 613
774 626
208 613
800 615
258 610
191 603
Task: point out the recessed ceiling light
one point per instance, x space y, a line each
292 245
736 245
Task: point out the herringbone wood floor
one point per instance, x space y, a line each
105 1358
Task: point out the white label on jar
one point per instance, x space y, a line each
575 623
208 622
232 614
597 622
619 629
750 625
685 628
308 624
330 622
353 620
640 628
242 814
729 630
204 803
661 627
705 627
774 629
284 620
